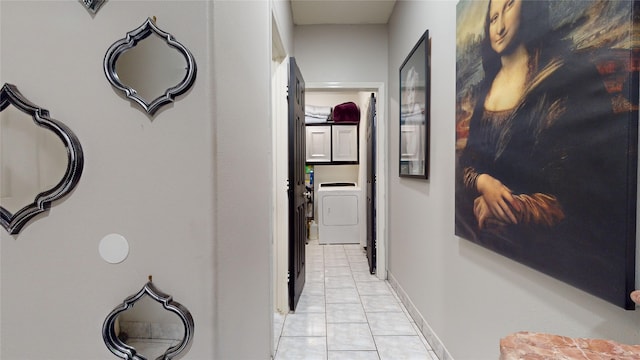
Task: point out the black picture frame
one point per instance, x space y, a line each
415 79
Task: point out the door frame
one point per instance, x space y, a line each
381 159
280 161
280 203
296 188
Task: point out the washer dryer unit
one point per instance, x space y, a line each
339 206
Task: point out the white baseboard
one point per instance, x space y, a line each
436 344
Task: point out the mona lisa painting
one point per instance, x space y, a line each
547 137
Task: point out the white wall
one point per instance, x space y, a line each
282 13
346 53
181 186
243 162
470 296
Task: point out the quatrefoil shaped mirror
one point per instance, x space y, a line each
41 159
150 66
148 325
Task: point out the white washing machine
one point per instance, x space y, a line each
338 213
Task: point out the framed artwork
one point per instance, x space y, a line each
414 111
547 137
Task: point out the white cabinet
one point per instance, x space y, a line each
318 143
332 144
344 142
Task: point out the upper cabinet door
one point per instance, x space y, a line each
318 144
345 143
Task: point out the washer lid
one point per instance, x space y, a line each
336 184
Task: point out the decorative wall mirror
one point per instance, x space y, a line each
156 328
92 5
147 64
39 163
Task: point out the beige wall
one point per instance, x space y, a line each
181 186
345 53
470 296
243 193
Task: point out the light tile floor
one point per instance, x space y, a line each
346 313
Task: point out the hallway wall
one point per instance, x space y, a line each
345 53
56 289
244 179
180 186
281 10
470 296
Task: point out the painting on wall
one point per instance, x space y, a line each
414 111
546 137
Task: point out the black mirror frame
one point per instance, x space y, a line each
131 40
13 223
124 351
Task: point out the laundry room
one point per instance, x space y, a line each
336 121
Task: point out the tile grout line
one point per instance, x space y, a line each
324 294
333 255
355 284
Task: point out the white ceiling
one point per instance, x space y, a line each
313 12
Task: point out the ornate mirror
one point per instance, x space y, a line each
150 66
148 325
92 5
41 159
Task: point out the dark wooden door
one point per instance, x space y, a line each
296 191
371 184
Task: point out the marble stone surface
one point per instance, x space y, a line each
537 346
635 296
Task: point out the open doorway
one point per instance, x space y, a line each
333 92
364 89
280 258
